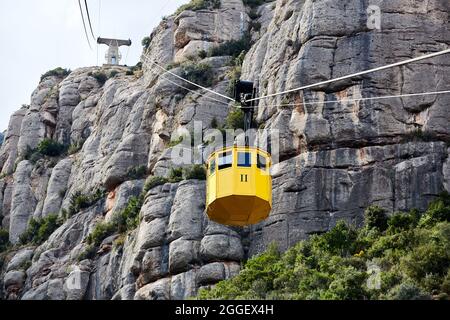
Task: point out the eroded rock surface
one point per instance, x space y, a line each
336 158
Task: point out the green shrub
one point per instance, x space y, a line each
175 142
402 221
51 148
420 135
196 5
121 222
232 48
255 3
133 69
137 173
214 123
408 291
154 182
235 120
175 175
120 241
234 74
128 218
413 259
439 210
75 147
80 201
100 76
4 240
340 240
101 231
88 253
253 14
376 218
256 26
202 54
39 230
146 42
113 73
195 172
173 65
199 73
57 72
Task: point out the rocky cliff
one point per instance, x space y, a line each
335 159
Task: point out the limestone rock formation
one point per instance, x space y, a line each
335 159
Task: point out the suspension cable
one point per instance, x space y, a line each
89 19
358 99
190 82
192 91
84 25
428 56
161 74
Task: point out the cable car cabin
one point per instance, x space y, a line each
239 186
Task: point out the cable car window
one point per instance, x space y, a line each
262 163
244 159
212 167
225 160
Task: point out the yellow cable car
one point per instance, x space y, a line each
239 186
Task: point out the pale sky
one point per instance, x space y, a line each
39 35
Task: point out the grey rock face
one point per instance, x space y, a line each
57 187
8 151
335 158
20 260
23 201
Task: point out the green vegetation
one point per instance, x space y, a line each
232 48
410 250
255 3
4 240
101 232
51 148
58 72
75 147
134 69
199 73
202 54
88 253
425 136
176 175
39 230
234 74
100 76
137 173
122 222
128 218
46 148
80 201
196 171
146 42
176 142
256 26
113 73
214 123
154 182
235 120
196 5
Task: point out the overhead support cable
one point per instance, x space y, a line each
188 81
84 25
358 99
89 19
427 56
192 91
